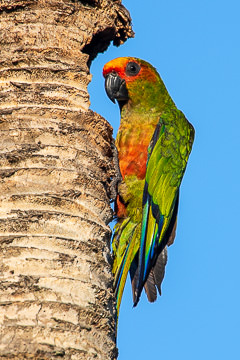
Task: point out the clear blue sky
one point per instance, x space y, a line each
195 46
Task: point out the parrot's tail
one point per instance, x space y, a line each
154 279
125 246
156 276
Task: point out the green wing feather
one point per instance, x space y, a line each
168 154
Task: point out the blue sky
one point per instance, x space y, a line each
195 46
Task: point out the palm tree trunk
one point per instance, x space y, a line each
55 169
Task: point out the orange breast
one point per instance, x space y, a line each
132 144
133 161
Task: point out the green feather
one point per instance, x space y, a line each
150 122
163 181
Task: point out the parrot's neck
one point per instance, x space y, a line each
137 117
146 98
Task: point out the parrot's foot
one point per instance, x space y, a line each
117 176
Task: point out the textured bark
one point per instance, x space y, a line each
55 169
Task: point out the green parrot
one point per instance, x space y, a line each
154 142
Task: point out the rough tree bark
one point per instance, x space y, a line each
55 168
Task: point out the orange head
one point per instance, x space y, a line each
129 78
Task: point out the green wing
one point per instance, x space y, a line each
168 154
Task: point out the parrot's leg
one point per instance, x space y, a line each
117 176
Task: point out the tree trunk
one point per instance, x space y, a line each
55 168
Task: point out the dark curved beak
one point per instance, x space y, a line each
115 87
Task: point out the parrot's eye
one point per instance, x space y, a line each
132 68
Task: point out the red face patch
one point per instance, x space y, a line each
119 66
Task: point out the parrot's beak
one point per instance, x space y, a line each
115 87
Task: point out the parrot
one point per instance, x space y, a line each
153 144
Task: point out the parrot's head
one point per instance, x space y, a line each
133 81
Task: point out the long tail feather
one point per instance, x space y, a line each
150 287
148 244
159 269
129 232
